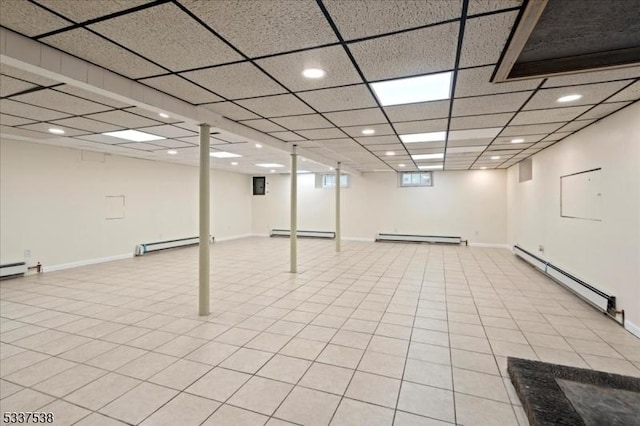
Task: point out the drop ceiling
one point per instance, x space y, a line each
204 53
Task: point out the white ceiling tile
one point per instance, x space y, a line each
484 6
19 109
26 18
85 94
533 129
275 25
11 120
469 142
172 143
168 131
276 106
81 11
527 139
465 149
485 38
321 133
59 101
142 146
93 48
18 131
236 81
102 139
186 45
154 116
600 111
356 19
230 110
480 121
374 140
477 81
339 99
26 76
421 126
489 104
380 130
591 94
195 140
548 115
263 125
418 111
357 117
286 136
87 125
303 122
287 69
44 128
398 148
406 54
182 89
11 86
630 93
592 76
123 118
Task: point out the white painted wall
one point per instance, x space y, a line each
467 204
607 253
53 203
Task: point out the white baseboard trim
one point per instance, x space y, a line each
233 237
86 262
490 245
634 329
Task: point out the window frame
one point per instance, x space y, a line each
420 174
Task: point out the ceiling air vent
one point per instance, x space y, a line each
563 37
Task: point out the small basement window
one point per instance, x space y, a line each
415 179
329 181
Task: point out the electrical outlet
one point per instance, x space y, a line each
27 253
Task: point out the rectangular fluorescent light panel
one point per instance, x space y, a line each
489 133
438 156
423 137
270 165
134 135
223 154
413 89
431 167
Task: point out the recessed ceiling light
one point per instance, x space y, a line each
518 140
172 152
437 156
304 159
389 153
163 114
303 171
330 168
414 89
483 168
495 157
234 163
424 137
402 165
223 154
134 135
368 131
273 171
269 165
569 98
314 73
258 145
431 167
56 131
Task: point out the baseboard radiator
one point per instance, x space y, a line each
144 248
11 270
598 298
419 239
303 234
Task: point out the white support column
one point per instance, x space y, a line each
294 211
338 231
205 217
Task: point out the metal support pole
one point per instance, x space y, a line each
294 210
203 293
338 231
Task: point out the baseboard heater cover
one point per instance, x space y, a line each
141 249
302 234
598 298
13 269
419 238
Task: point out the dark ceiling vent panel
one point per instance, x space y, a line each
562 37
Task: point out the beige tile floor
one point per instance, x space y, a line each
380 334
